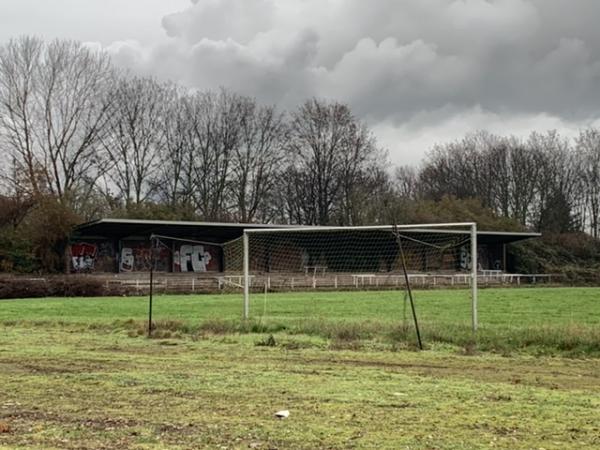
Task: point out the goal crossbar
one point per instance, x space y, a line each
416 227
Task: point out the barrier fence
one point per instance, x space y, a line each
214 283
329 281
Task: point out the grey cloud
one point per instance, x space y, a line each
220 20
393 62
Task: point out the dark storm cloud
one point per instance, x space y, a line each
402 65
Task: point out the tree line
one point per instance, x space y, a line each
98 140
80 139
546 182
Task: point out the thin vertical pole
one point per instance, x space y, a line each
474 276
151 287
246 245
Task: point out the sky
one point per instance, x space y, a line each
418 72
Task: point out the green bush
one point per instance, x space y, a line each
69 286
16 253
574 255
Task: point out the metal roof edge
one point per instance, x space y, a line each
84 225
87 224
178 222
511 233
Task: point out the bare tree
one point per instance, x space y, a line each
19 64
497 170
136 137
468 168
559 183
215 128
524 167
360 172
75 109
55 108
406 182
450 170
256 160
175 173
373 199
502 172
328 151
588 147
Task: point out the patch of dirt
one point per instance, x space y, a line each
106 423
179 429
47 370
95 423
498 398
514 373
53 367
34 416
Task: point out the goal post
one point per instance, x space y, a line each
246 269
358 257
474 265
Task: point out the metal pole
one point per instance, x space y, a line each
246 246
474 276
414 227
151 287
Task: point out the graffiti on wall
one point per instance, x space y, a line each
97 256
126 264
83 255
137 257
483 258
465 258
196 258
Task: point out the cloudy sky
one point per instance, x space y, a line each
418 71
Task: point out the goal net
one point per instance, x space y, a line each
369 260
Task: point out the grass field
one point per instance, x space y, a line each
76 373
544 320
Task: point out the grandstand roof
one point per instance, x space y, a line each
222 231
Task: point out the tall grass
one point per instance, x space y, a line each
573 340
536 321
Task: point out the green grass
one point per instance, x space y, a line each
77 373
64 389
503 307
544 320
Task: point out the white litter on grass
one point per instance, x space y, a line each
283 414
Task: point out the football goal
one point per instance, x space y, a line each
364 258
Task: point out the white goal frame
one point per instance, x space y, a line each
422 227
